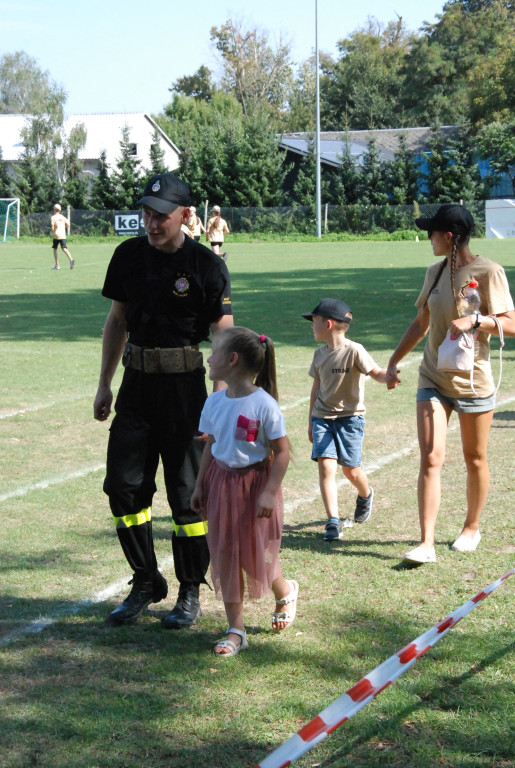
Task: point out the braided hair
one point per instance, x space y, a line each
458 241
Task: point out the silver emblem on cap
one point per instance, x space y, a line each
156 187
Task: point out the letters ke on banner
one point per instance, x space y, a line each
128 223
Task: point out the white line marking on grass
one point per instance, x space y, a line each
38 625
42 406
23 491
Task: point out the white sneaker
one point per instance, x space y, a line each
420 555
466 543
56 266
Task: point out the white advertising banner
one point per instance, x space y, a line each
500 218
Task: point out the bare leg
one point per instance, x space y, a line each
56 259
215 248
67 252
327 469
475 429
432 421
358 479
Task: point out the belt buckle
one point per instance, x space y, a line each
126 357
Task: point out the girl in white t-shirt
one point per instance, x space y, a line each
238 488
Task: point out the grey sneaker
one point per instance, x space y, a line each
363 507
333 531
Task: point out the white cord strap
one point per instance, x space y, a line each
501 345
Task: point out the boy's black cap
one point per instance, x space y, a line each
164 193
333 308
448 218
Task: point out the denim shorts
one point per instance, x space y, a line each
458 404
339 439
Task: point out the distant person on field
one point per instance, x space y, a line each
337 409
215 231
58 224
194 224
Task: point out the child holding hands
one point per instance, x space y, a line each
337 409
238 489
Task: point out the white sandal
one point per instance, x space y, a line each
287 617
233 648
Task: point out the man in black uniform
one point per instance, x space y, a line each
168 292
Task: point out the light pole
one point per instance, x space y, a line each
317 133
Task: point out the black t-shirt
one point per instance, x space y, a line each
172 297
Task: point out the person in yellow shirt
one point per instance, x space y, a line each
58 226
194 225
215 231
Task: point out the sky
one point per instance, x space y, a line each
122 55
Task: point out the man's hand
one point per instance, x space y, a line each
102 404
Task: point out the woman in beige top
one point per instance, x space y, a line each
215 231
440 307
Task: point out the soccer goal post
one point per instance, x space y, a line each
9 217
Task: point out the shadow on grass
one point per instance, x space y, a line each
128 696
275 300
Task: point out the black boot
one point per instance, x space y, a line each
145 590
186 610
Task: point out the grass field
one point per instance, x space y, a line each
77 693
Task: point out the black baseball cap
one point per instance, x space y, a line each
448 218
164 193
333 308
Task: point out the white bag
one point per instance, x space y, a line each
456 354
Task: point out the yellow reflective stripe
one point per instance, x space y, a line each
191 529
139 518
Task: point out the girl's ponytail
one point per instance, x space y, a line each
267 376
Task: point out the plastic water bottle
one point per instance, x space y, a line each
472 304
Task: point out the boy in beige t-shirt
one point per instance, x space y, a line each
337 409
58 224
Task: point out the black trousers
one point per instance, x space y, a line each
157 415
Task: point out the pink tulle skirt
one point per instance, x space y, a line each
244 548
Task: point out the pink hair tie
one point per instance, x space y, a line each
262 338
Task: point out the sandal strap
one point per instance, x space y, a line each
226 644
235 631
290 597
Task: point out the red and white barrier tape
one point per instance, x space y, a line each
370 686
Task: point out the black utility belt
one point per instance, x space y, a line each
162 359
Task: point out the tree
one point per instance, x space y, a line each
127 179
157 156
446 63
102 193
36 182
259 173
252 70
199 85
300 115
372 180
26 89
403 175
5 178
452 171
362 87
496 143
345 182
74 186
